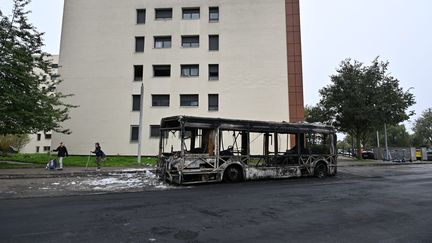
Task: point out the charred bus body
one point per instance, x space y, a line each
199 149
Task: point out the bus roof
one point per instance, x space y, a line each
177 122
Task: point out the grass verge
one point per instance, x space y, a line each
76 160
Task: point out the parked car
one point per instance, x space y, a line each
368 155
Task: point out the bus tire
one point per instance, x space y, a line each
320 170
234 173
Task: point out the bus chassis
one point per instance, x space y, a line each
211 162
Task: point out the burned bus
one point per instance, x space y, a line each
200 149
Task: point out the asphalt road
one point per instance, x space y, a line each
361 204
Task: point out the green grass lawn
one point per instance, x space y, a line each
75 160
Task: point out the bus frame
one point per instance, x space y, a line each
211 162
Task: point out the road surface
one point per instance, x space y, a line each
361 204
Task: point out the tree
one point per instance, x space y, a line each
15 141
362 98
397 136
29 101
423 129
317 114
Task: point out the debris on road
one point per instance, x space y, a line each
124 181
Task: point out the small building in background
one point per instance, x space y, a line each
41 141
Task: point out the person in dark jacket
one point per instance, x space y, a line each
61 153
100 155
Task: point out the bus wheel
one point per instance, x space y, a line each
321 170
233 174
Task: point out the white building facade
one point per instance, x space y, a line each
214 58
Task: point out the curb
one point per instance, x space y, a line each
71 174
392 164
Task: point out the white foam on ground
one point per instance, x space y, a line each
133 170
122 181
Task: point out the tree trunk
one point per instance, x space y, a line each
358 146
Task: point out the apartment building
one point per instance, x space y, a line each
215 58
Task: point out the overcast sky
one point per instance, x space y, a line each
399 31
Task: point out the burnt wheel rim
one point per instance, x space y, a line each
321 171
233 174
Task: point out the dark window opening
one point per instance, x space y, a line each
213 42
139 44
191 13
189 70
162 42
213 71
136 102
189 100
138 72
47 136
213 102
39 137
190 41
141 16
46 148
37 149
134 133
214 14
154 131
161 70
163 13
160 100
55 77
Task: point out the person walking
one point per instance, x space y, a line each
61 153
99 155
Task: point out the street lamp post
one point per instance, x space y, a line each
386 157
140 123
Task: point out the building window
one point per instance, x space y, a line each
191 13
214 14
189 70
55 77
163 13
37 149
160 100
161 70
189 100
46 148
47 136
213 42
213 71
134 133
162 42
213 102
39 136
190 41
139 44
54 65
138 72
154 131
141 16
136 102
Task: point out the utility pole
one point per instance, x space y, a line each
378 140
386 157
140 123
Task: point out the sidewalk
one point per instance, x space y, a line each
343 162
67 172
